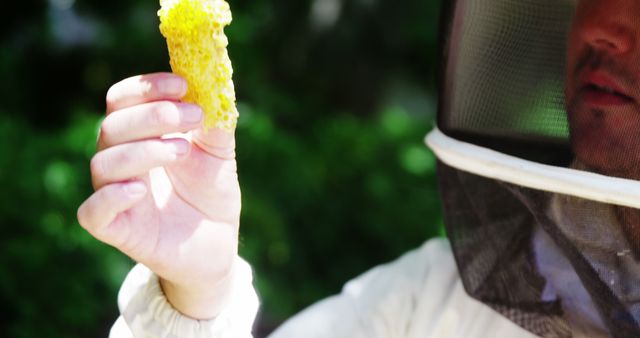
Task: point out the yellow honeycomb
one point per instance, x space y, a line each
194 30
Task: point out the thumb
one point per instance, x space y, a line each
217 142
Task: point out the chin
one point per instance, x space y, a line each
606 142
603 155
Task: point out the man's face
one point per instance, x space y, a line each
603 86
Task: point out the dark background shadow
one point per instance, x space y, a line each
335 97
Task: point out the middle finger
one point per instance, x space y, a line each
148 120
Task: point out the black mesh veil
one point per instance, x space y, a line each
542 210
504 57
495 229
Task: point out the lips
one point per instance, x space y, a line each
598 89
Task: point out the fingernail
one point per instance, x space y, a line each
191 113
173 86
179 148
135 189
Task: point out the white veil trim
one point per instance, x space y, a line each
492 164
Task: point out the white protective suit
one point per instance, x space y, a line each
420 295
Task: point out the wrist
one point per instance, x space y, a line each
198 302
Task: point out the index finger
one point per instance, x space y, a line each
145 88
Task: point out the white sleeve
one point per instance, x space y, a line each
383 302
146 313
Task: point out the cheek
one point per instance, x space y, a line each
573 52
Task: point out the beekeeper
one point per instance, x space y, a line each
538 142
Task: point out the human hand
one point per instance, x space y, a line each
170 201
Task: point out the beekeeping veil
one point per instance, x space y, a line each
538 142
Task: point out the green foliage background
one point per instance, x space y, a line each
334 173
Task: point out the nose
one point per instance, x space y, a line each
614 37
